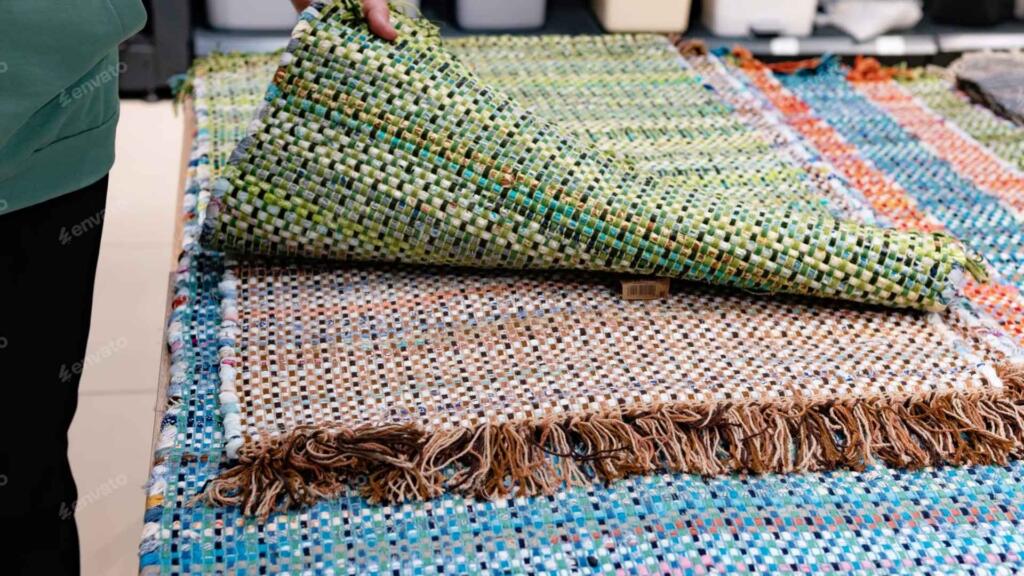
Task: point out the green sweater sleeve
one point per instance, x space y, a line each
46 45
56 79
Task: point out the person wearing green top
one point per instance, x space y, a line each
58 114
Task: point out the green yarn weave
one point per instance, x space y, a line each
396 152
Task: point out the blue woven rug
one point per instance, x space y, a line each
943 520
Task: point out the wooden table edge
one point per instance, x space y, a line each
164 376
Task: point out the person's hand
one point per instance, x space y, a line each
377 17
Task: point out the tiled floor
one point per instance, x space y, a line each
112 433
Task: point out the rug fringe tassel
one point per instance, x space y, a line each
404 462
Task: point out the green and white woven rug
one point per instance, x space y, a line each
412 382
373 151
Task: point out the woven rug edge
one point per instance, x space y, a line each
401 462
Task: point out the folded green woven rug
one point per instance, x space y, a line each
373 151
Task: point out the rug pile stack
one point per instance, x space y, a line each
376 409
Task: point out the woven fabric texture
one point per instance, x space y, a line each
365 346
975 215
373 151
428 381
894 189
937 91
941 520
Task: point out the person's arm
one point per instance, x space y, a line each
377 17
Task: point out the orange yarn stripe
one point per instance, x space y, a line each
888 199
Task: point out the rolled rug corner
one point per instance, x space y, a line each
368 150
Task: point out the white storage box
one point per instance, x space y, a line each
251 14
643 15
767 17
500 14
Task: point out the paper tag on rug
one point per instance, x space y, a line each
645 288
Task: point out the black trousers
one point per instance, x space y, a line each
48 256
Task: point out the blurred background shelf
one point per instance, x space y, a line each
942 42
825 40
206 41
563 17
180 30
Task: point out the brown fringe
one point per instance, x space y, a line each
405 462
867 69
745 59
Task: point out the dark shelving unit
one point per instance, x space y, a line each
161 50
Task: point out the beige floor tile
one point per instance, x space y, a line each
127 334
144 181
110 454
111 436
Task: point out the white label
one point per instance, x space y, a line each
890 46
784 46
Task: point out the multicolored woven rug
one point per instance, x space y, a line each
262 349
490 386
394 152
1000 136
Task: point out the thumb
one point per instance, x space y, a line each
379 19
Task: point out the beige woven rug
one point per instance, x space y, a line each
419 382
